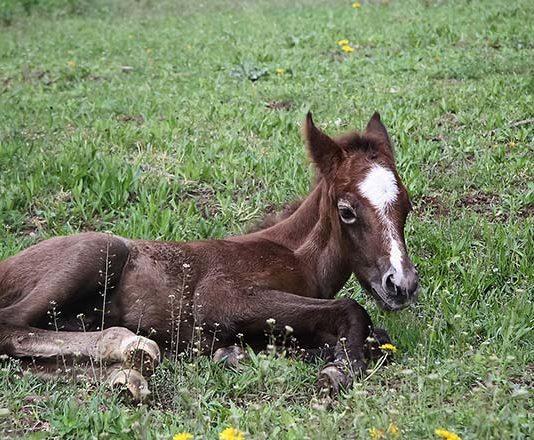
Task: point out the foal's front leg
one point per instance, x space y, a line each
340 323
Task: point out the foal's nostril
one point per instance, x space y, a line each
391 286
406 286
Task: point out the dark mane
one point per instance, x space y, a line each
356 140
352 140
349 141
273 218
281 213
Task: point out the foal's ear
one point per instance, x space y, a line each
375 127
324 152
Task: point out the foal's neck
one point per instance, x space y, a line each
312 236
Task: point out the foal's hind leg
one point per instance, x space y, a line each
129 378
114 375
113 345
67 274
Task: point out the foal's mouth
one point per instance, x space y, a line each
388 302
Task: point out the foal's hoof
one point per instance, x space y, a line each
229 356
140 353
132 380
372 349
381 335
331 380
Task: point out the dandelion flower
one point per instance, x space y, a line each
393 430
343 42
71 64
388 347
347 48
279 71
376 434
356 5
183 436
447 435
232 434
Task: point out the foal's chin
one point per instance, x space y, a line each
391 303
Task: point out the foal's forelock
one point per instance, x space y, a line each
380 188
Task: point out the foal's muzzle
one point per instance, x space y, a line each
397 291
400 284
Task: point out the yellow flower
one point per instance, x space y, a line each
376 434
356 5
347 48
232 434
447 435
279 71
71 64
393 430
183 436
343 42
388 347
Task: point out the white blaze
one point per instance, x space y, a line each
380 187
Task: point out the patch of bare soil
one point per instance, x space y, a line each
449 120
480 202
43 76
527 211
278 105
431 205
5 82
446 123
205 200
34 224
526 377
486 204
136 119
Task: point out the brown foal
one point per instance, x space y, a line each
118 301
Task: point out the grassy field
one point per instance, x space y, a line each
170 120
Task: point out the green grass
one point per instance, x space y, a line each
180 145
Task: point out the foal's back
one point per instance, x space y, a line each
137 283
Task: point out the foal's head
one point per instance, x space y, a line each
367 207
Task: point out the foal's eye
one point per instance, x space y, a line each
347 215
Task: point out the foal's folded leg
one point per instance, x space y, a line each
112 345
341 323
119 376
116 355
112 375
